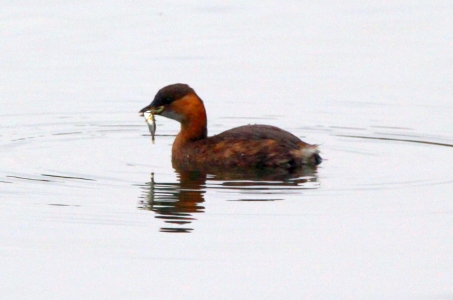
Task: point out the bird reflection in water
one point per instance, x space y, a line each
177 203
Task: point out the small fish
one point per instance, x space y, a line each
149 117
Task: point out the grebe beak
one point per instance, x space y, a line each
151 109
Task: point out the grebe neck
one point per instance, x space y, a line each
193 122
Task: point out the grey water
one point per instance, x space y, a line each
90 208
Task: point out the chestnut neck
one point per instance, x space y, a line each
194 121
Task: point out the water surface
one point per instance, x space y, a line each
90 208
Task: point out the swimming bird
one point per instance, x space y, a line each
248 146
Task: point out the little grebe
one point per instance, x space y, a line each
260 146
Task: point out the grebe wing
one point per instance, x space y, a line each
261 132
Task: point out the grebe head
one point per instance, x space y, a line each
176 101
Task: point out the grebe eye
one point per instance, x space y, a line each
167 100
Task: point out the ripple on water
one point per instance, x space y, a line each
391 158
65 155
